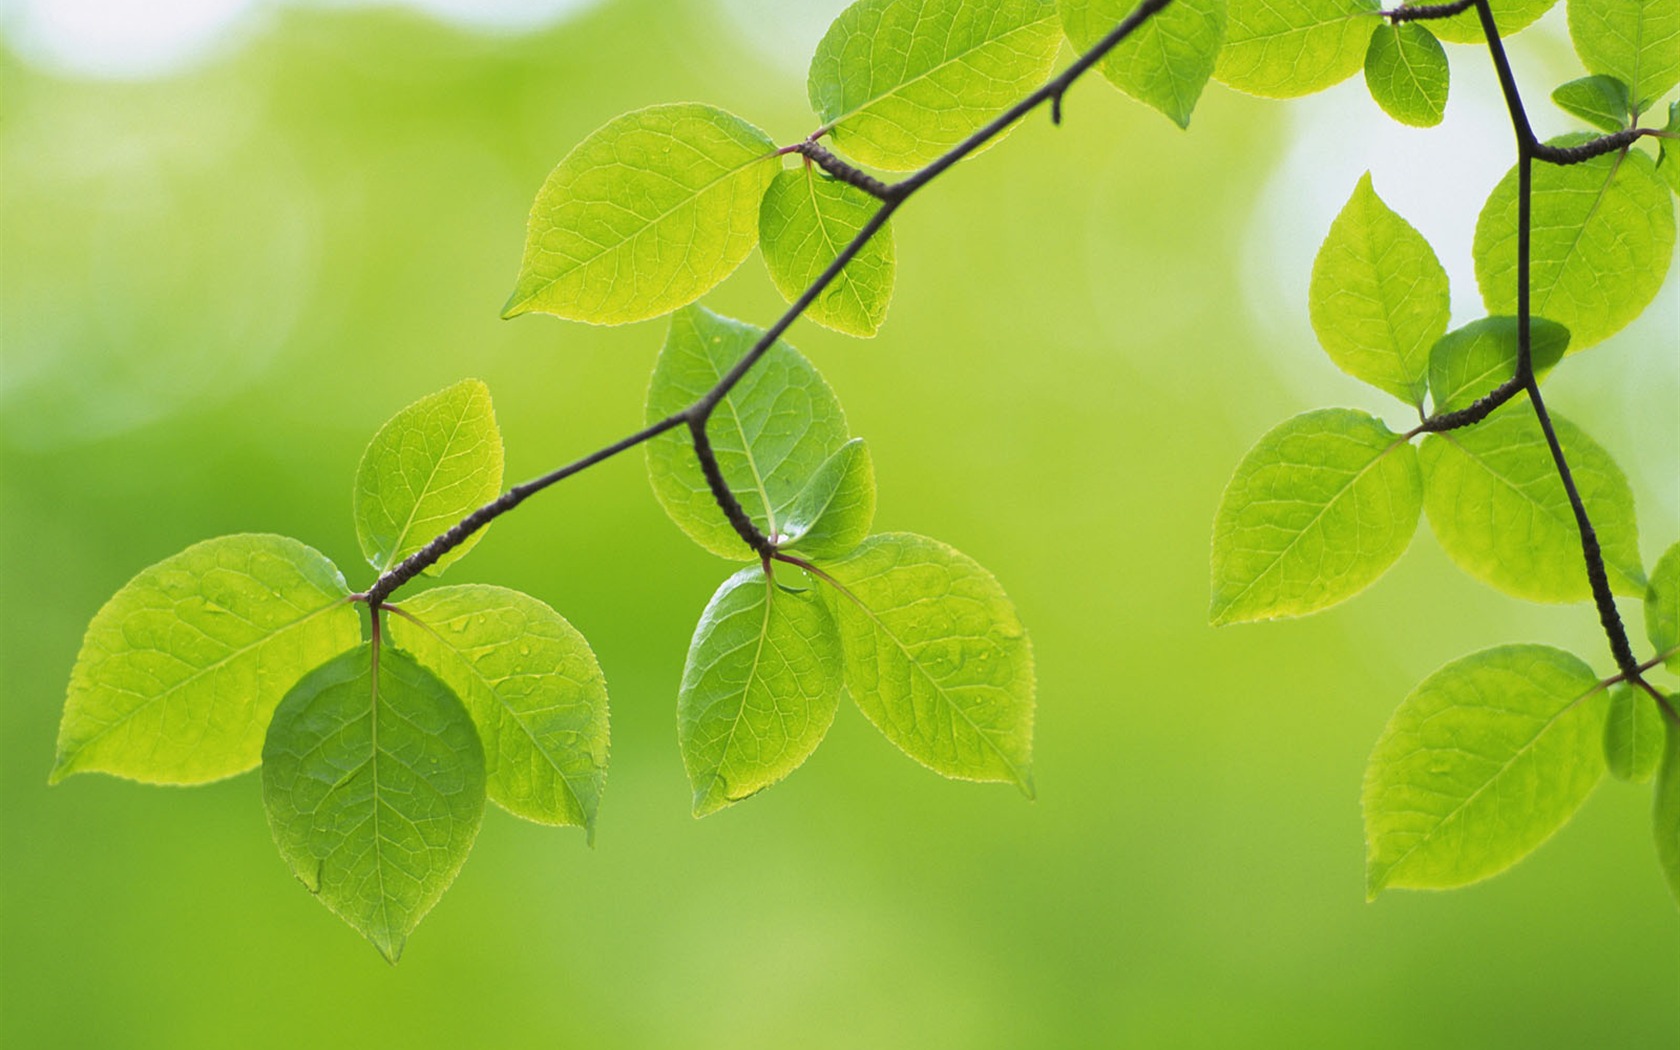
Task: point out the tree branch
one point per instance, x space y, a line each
698 414
1475 412
1528 147
1425 12
1588 150
851 175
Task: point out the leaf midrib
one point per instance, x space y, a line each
1452 814
949 60
603 250
565 781
752 675
944 697
201 672
1569 522
420 495
1273 564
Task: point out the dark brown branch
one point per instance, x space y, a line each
697 414
1475 412
1527 149
1616 140
841 170
738 517
1425 12
456 534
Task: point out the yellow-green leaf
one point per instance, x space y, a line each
181 670
645 215
1484 761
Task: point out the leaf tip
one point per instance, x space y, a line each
61 769
1225 613
1028 786
517 303
1376 880
710 798
391 949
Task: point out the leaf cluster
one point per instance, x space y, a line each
381 740
1490 755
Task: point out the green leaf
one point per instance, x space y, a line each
1665 809
373 779
533 688
435 462
1483 762
1288 48
772 434
1601 101
898 82
1166 61
1662 608
1510 16
759 690
1633 736
1469 362
1406 72
645 215
181 669
832 514
1668 152
937 658
1316 511
1500 511
1603 236
1635 41
1378 297
805 220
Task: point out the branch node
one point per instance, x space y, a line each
1425 12
725 497
1616 140
842 171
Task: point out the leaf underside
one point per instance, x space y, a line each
180 671
1483 762
374 787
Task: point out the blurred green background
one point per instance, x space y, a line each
218 282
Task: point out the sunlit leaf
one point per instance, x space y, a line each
1633 735
1668 153
898 82
759 690
1378 297
1509 16
1635 41
1483 762
533 688
1601 101
1602 239
1166 61
1406 72
1288 48
832 515
805 220
1469 362
427 468
181 669
373 779
937 658
645 215
1662 607
1315 513
1501 513
772 434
